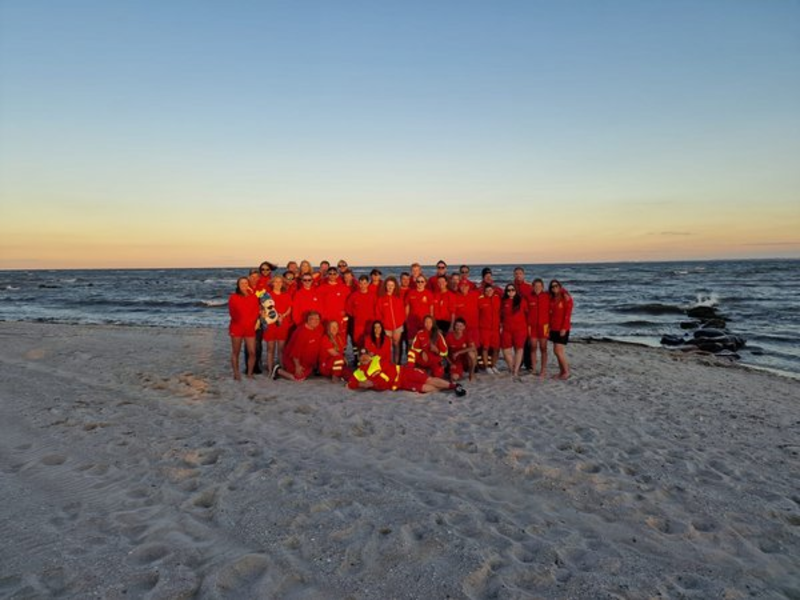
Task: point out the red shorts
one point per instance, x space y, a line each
241 330
412 379
334 366
433 364
515 338
277 333
540 332
489 338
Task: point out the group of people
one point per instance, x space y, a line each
415 332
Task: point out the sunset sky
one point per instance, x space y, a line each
198 133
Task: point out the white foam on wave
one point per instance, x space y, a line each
214 302
11 288
711 299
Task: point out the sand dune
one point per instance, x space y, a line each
133 466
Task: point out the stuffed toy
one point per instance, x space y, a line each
268 314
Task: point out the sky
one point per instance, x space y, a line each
200 134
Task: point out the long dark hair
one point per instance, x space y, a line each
382 335
434 328
516 303
237 290
560 287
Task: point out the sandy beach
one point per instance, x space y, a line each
132 465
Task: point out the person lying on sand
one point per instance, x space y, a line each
375 373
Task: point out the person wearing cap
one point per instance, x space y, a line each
376 373
487 277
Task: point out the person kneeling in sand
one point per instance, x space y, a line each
301 353
375 373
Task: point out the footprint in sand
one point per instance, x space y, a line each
52 460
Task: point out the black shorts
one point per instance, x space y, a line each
555 337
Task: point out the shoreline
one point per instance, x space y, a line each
133 465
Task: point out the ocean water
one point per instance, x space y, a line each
634 302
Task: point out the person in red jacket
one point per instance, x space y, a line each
463 274
244 310
461 352
539 323
441 269
306 299
405 285
301 354
514 328
465 306
331 352
443 305
277 333
375 281
560 323
428 348
376 373
378 343
361 308
489 327
289 283
390 311
419 304
523 287
333 299
265 270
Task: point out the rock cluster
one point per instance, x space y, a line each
710 334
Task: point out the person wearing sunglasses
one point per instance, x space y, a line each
560 322
514 328
441 269
306 299
419 304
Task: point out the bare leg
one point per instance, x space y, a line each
396 349
434 384
495 357
563 364
519 354
534 349
543 353
270 356
508 356
236 349
250 344
472 361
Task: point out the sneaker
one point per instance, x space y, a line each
459 390
274 374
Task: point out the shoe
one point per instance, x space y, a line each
274 374
459 390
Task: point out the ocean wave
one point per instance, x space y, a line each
213 303
12 288
651 308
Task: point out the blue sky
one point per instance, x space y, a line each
205 133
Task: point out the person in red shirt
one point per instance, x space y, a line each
514 328
428 348
378 343
244 311
560 322
349 280
462 354
361 308
265 270
463 273
289 283
306 299
441 269
342 267
443 305
489 327
390 311
375 281
331 352
301 354
539 323
523 287
333 299
465 306
277 333
321 276
376 373
305 269
419 304
253 278
405 285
